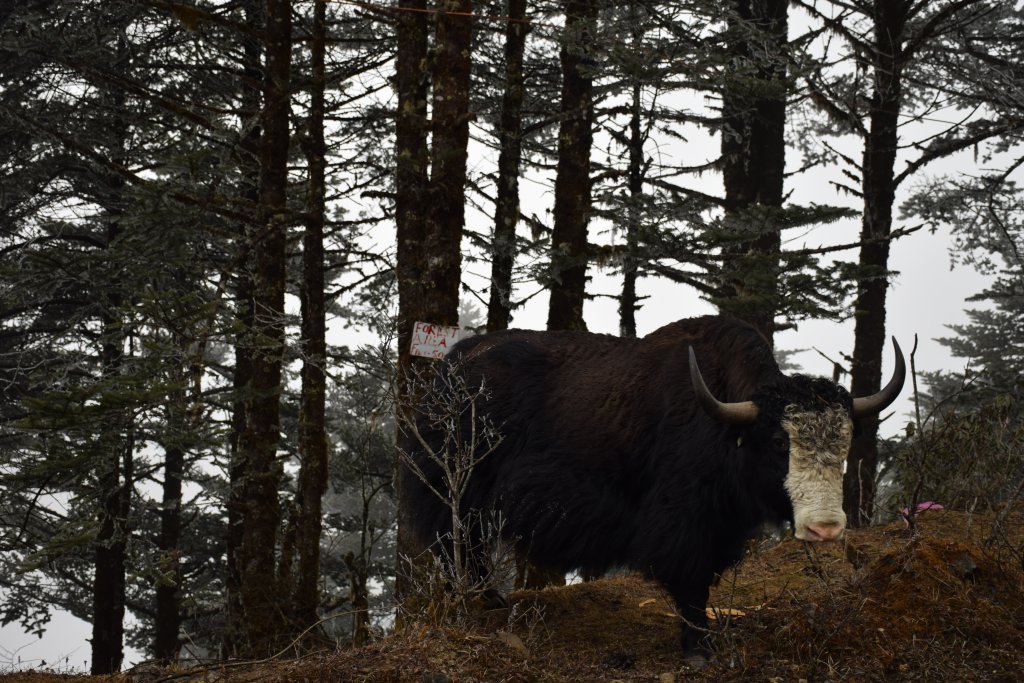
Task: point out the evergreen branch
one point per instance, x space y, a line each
696 194
191 16
953 145
850 161
831 108
836 24
679 276
933 26
894 235
848 189
994 215
132 86
101 160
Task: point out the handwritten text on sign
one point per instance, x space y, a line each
433 341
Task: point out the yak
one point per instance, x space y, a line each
663 454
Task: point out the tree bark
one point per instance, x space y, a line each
359 597
184 415
411 179
628 301
635 185
411 85
879 191
111 547
448 154
506 211
259 441
431 214
568 274
241 381
166 642
114 485
115 443
249 153
312 479
754 158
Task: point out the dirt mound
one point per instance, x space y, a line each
929 609
945 603
885 605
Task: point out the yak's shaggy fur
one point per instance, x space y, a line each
609 461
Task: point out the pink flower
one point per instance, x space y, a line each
921 507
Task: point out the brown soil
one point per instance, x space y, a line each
943 604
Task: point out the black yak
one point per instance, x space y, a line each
663 454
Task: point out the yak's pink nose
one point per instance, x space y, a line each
824 532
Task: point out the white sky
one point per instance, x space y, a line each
64 647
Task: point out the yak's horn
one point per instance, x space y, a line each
743 412
876 403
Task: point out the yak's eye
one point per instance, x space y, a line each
780 443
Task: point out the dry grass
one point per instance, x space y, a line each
884 605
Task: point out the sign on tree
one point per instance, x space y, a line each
433 341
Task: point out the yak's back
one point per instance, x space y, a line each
599 392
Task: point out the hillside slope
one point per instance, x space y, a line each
946 603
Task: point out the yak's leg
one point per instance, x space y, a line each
478 554
691 601
479 572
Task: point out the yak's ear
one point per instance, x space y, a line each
744 412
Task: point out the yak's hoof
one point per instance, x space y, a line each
492 599
696 659
696 651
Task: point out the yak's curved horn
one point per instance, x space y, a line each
876 403
743 412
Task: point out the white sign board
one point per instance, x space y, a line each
433 341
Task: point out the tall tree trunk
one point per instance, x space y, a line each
628 301
448 154
312 479
754 159
568 275
506 211
411 179
166 643
430 214
111 548
259 441
450 118
879 191
359 596
116 447
184 415
249 153
114 486
635 185
235 628
411 84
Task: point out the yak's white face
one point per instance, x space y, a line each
819 442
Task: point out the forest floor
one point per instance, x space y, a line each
943 604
